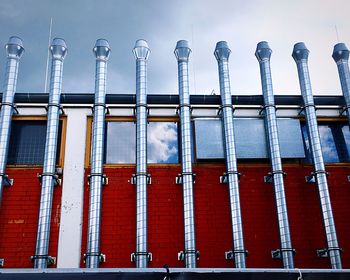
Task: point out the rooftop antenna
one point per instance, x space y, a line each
48 57
336 32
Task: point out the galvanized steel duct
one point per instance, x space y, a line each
93 255
14 49
58 50
263 54
141 52
300 55
182 53
341 58
222 53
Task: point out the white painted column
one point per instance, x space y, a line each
69 242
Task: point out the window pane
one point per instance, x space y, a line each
162 142
27 142
121 142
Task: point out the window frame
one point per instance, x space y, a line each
29 118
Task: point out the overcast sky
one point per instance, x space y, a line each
162 23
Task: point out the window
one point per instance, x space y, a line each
250 138
27 142
335 142
162 142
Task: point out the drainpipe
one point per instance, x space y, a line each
222 53
263 54
49 177
341 58
141 178
93 256
14 49
189 255
300 55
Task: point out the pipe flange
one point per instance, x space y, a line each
230 255
269 177
224 177
219 113
101 256
8 182
50 260
179 177
181 256
277 254
134 256
103 176
13 105
324 252
57 180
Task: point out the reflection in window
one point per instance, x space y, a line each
27 142
335 142
162 142
121 142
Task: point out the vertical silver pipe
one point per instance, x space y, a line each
222 53
141 52
58 50
341 58
300 55
182 53
263 54
93 254
14 49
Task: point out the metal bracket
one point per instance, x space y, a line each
224 177
55 177
277 254
134 178
140 105
324 252
59 106
343 110
101 257
182 254
2 262
302 110
107 112
179 177
263 109
183 105
348 178
6 180
14 106
50 260
225 106
269 177
134 255
312 177
229 255
103 176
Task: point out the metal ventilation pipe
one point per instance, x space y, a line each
141 52
300 55
263 54
182 53
93 256
14 49
49 178
341 58
222 53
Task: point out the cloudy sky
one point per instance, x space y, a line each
242 23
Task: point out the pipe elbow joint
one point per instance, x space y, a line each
263 51
58 49
182 51
141 49
102 49
14 47
300 52
340 52
222 51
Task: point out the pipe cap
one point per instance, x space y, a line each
340 52
263 51
14 47
102 49
222 51
182 50
141 49
300 52
58 49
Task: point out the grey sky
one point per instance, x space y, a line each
242 23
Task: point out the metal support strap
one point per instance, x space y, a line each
50 260
103 176
181 256
134 177
324 253
7 181
57 180
263 108
107 112
229 255
101 256
269 177
302 110
140 105
14 107
277 254
312 177
55 105
343 110
181 106
134 255
179 177
224 177
225 106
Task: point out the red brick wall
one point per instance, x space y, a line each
19 218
